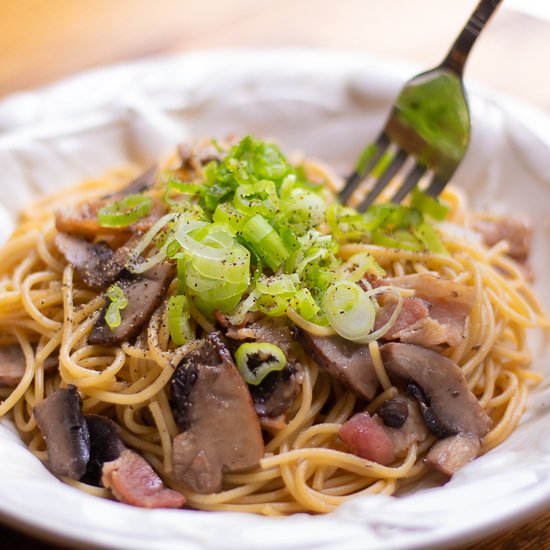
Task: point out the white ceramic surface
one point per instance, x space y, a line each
327 105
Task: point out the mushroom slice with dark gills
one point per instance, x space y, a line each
144 294
97 264
348 362
272 381
449 408
394 412
144 181
267 329
65 431
105 446
276 392
221 430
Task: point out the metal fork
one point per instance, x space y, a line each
428 130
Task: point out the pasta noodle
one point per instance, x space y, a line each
47 310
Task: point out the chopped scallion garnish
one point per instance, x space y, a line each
124 211
118 302
178 314
255 360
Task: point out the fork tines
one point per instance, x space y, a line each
373 157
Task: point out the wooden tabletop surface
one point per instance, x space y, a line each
45 40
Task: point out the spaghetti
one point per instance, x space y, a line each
47 310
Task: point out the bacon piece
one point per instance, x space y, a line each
12 365
368 439
133 481
413 311
516 230
449 305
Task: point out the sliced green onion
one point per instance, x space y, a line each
180 266
266 241
393 317
181 187
184 187
257 198
303 207
428 205
357 266
304 304
172 248
225 299
256 229
278 284
226 213
289 239
178 314
133 262
396 239
124 211
349 310
118 302
345 223
246 305
234 267
272 305
255 360
430 238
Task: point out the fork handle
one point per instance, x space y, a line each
456 58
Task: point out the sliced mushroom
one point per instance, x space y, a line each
443 386
266 329
93 261
349 363
105 446
276 392
214 408
144 181
144 294
452 453
413 430
64 429
436 426
394 412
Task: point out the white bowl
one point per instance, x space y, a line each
328 105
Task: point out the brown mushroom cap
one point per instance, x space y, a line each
64 429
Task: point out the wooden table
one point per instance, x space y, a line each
44 40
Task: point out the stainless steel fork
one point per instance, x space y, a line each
428 130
